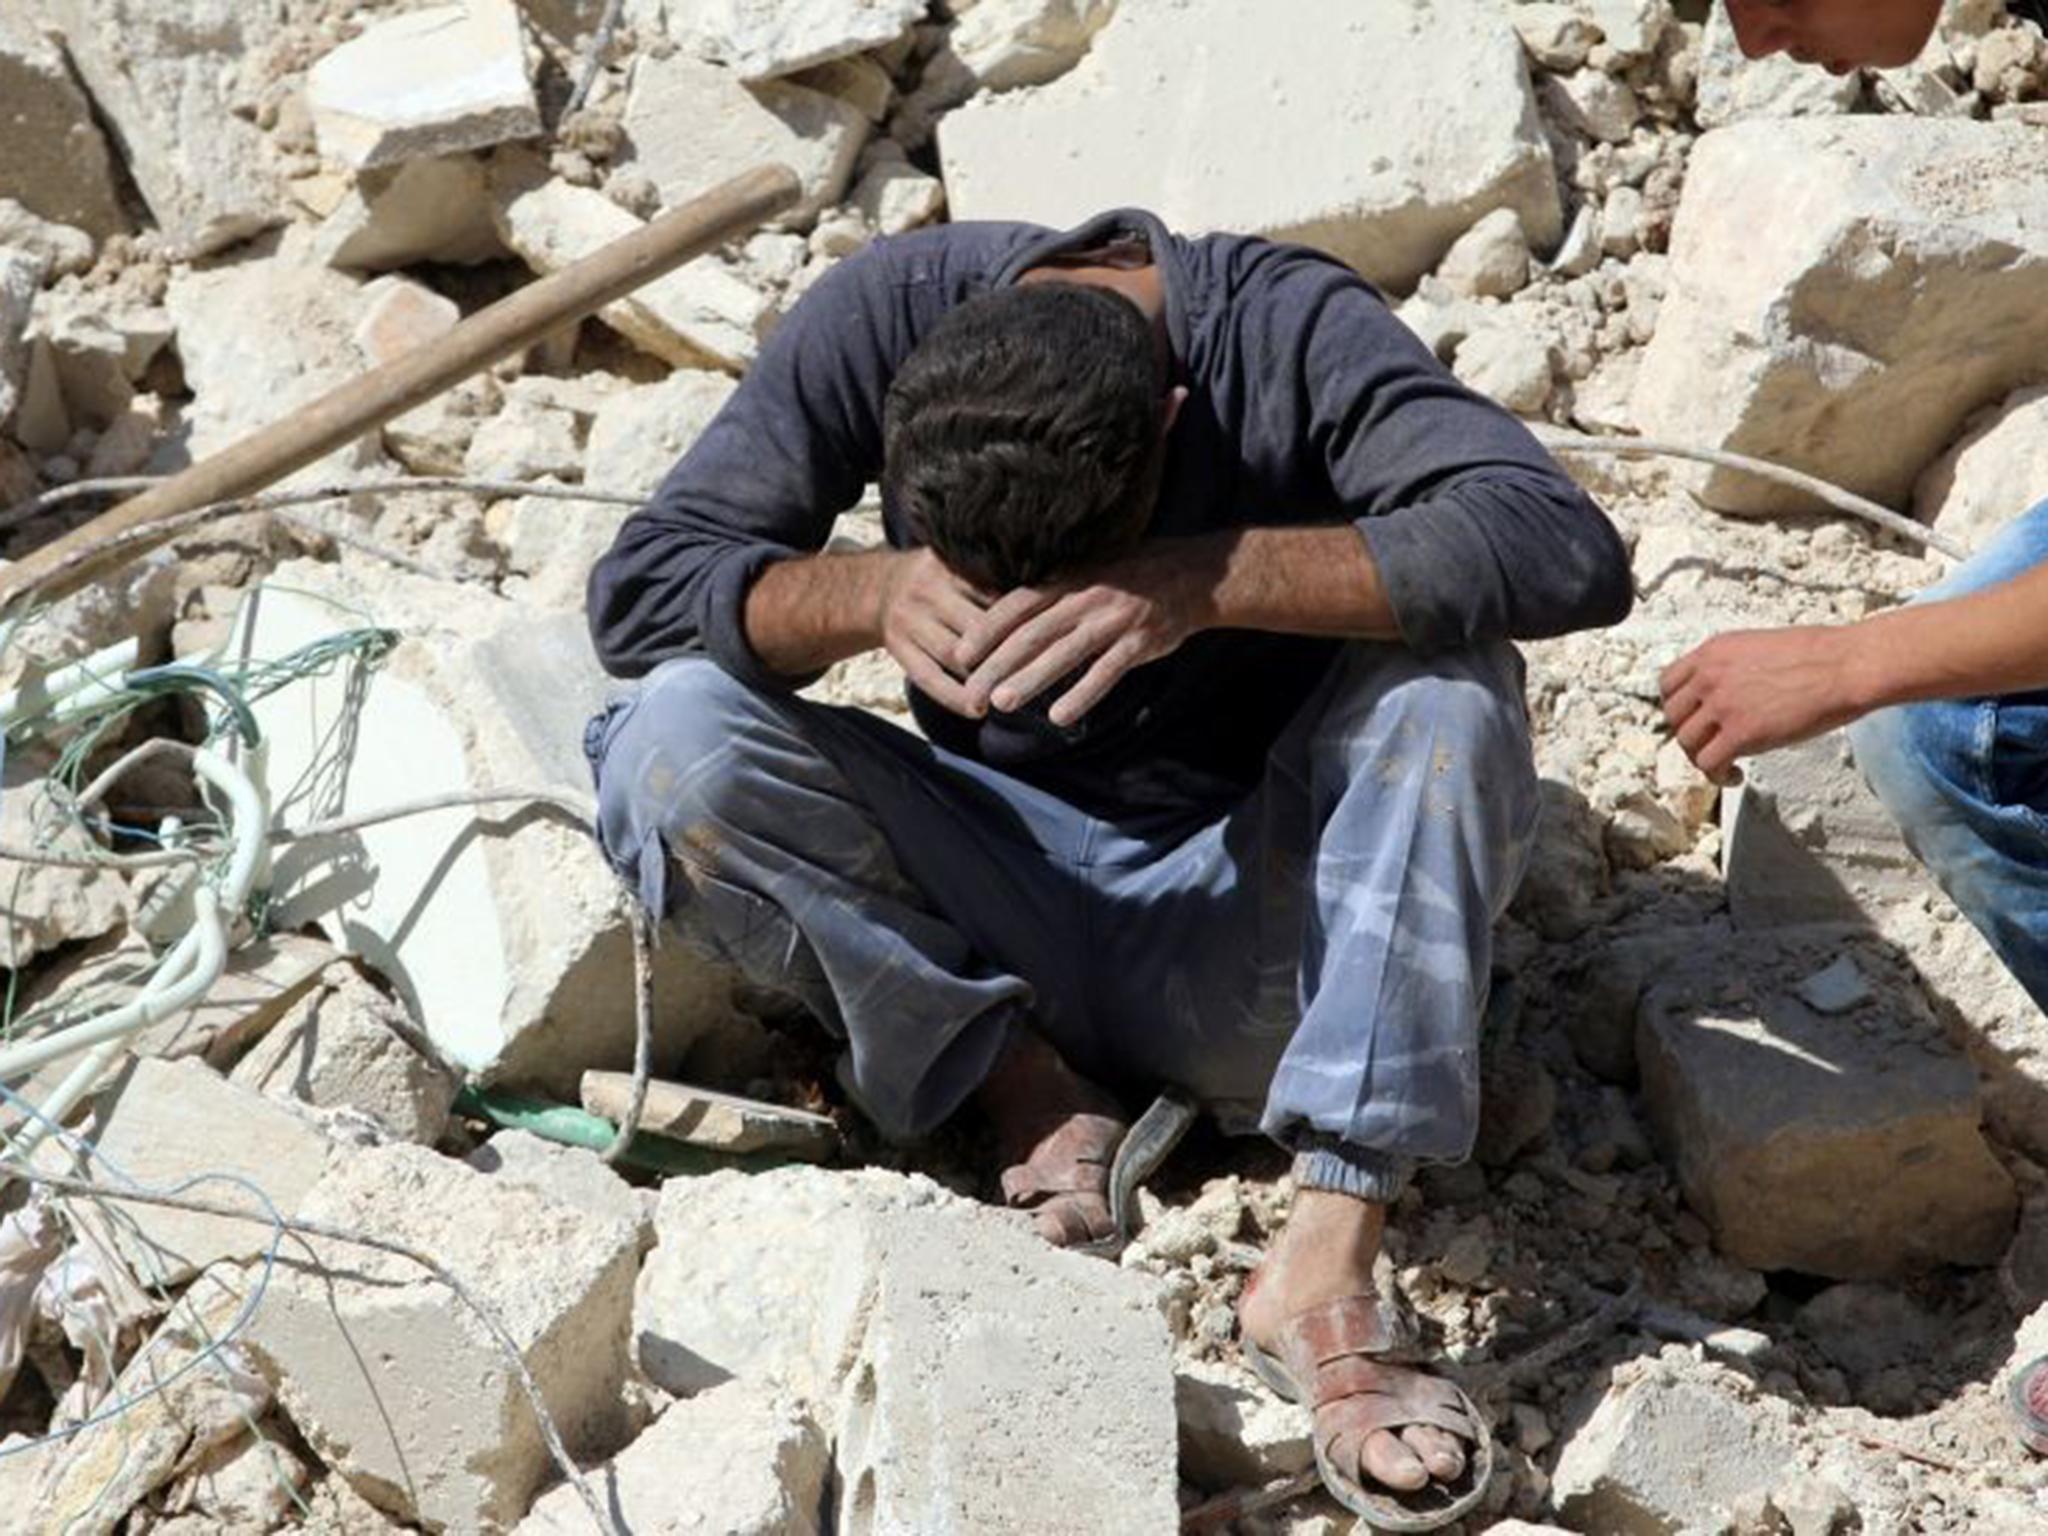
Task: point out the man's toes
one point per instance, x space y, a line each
1439 1449
1390 1463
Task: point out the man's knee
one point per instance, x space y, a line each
1918 759
691 754
1458 717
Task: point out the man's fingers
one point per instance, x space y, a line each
1026 643
1096 682
1677 675
1702 728
995 625
933 680
1055 661
1680 707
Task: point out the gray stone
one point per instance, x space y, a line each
1593 105
739 1460
1670 1449
168 1121
53 160
425 83
345 1046
422 210
21 274
363 1348
572 1176
1841 988
63 250
1847 1148
927 1322
759 39
1510 365
1490 260
1558 37
1854 341
1866 1328
1439 93
691 125
166 81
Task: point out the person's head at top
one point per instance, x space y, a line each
1838 35
1024 439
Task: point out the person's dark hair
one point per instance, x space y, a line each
1021 438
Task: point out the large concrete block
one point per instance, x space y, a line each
1851 333
1843 1144
1400 126
169 1121
691 125
53 159
166 79
508 946
979 1380
1670 1448
365 1350
739 1460
759 39
422 210
429 82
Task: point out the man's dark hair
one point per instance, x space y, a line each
1021 438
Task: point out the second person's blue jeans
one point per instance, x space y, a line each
1967 780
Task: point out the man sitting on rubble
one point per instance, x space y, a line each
1203 572
1947 698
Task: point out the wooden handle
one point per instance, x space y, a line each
344 414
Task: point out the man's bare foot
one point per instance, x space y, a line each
1058 1134
1325 1253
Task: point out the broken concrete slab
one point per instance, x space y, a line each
741 1460
168 1121
760 39
53 159
182 1408
701 1117
361 1349
1992 474
1853 341
573 1176
1439 128
697 316
425 83
691 125
165 81
922 1319
1670 1446
508 946
1000 45
423 210
1804 840
346 1045
1842 1146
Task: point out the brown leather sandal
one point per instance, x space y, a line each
1341 1352
1085 1173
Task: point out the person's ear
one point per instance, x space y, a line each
1176 397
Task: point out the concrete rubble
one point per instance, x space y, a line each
423 84
1766 1110
1117 130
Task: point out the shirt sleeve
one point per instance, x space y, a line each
1477 533
792 448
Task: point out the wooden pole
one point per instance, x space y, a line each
344 414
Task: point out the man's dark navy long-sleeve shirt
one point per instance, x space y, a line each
1308 403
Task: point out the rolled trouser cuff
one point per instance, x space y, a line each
1323 1162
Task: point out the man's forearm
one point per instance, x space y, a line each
1989 642
1300 581
802 615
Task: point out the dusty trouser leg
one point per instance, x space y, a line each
1327 948
1967 780
830 854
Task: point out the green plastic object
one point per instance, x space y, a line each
573 1127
